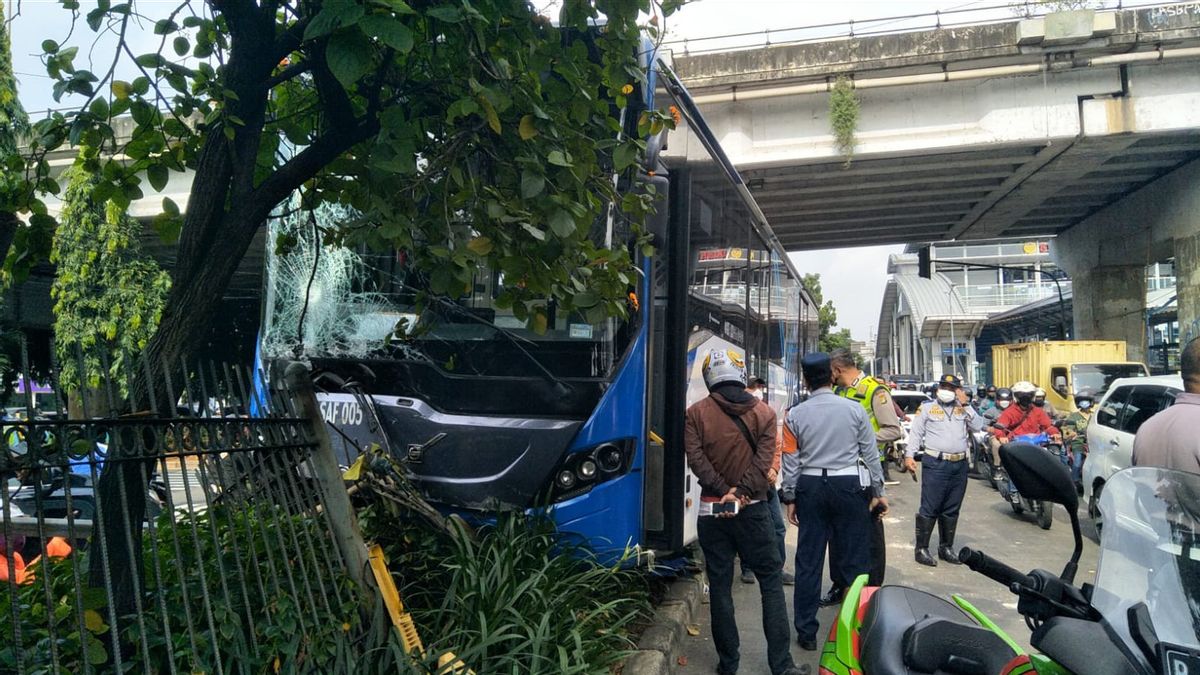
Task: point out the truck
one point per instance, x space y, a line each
1063 368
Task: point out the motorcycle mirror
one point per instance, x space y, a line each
1039 475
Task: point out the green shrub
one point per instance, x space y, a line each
515 598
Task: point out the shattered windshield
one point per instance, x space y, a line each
355 299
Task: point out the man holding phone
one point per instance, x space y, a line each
729 438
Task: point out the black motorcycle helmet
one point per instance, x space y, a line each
1004 395
981 391
992 391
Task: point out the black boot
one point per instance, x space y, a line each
946 527
924 532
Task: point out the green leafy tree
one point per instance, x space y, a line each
108 296
464 132
14 124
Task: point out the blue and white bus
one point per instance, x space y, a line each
586 417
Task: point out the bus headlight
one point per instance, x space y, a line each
581 470
587 469
610 457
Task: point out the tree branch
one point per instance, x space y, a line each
304 166
293 70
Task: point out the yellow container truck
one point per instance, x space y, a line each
1063 368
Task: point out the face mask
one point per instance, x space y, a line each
1085 405
946 396
1003 404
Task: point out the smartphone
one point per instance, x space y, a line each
725 508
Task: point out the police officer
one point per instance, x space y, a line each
829 458
940 428
876 400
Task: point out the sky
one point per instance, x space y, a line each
853 279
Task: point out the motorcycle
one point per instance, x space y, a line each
980 456
1043 511
1139 616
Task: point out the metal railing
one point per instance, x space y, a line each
198 533
889 25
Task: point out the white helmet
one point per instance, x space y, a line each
1040 393
724 365
1024 387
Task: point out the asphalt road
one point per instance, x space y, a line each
987 523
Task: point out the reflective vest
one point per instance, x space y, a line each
863 392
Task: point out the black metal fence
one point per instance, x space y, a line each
205 530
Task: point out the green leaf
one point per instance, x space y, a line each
170 207
526 129
447 13
532 184
349 55
388 30
121 89
480 246
93 622
489 112
538 322
95 652
586 299
168 227
158 175
562 223
398 6
181 46
536 233
49 46
557 158
624 156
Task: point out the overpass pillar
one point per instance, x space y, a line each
1187 284
1110 304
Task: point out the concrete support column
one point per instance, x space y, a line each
1110 304
1187 284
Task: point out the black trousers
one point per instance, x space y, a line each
749 535
833 514
943 485
878 556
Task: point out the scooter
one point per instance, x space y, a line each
1136 619
1042 511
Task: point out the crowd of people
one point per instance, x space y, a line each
826 465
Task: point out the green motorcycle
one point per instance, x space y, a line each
1141 616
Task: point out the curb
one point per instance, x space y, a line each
661 644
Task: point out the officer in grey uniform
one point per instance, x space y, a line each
940 429
829 457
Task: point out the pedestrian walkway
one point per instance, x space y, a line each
987 523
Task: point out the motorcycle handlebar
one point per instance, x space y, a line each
993 569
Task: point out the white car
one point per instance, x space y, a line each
1128 403
908 401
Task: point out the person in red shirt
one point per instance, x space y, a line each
1024 417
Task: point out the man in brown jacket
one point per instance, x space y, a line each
729 438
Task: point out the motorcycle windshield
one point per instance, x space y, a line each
1150 552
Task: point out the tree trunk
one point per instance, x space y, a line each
8 229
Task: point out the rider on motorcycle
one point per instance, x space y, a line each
1075 433
1039 400
1024 417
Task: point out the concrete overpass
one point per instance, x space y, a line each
1008 129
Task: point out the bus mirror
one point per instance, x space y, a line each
656 222
654 147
